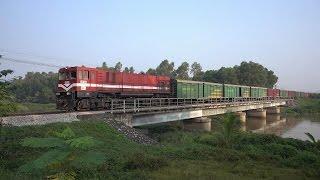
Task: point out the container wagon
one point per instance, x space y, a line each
212 90
283 93
187 89
258 92
291 94
231 91
244 91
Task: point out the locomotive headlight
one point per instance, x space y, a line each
68 93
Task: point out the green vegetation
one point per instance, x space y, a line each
248 73
35 107
35 87
305 106
6 98
223 154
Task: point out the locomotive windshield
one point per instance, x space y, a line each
67 75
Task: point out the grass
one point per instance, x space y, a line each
181 155
35 107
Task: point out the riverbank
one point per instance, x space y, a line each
178 154
304 106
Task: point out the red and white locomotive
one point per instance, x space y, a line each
81 87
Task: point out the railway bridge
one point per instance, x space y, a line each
146 111
139 112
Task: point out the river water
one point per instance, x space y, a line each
284 126
293 127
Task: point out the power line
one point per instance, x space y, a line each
30 62
28 54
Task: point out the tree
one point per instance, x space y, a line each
131 69
227 75
183 71
151 71
210 76
165 68
6 98
118 66
254 74
35 87
196 71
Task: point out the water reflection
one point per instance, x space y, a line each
284 126
292 127
197 126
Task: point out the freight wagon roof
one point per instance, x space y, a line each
197 82
232 85
188 81
258 87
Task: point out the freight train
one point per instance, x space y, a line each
84 88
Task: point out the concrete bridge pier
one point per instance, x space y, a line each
273 110
200 124
260 113
242 116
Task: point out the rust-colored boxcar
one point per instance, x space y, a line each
273 92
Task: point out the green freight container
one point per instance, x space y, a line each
230 90
258 92
284 93
188 89
244 91
212 90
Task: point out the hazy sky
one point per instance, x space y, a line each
281 35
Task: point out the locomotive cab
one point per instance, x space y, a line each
66 88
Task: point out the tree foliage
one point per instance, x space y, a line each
165 68
248 73
6 97
182 71
196 71
35 87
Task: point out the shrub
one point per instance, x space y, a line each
284 151
144 161
302 159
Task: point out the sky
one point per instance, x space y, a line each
284 36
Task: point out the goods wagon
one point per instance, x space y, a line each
291 93
212 90
89 88
273 92
231 91
244 91
187 89
258 92
283 93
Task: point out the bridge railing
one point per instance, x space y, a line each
163 104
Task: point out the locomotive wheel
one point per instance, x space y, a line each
82 104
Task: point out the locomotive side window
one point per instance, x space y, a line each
93 75
73 75
85 75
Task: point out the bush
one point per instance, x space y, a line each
144 161
303 159
284 151
214 139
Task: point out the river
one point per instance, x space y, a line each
285 126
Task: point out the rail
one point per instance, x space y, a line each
134 105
